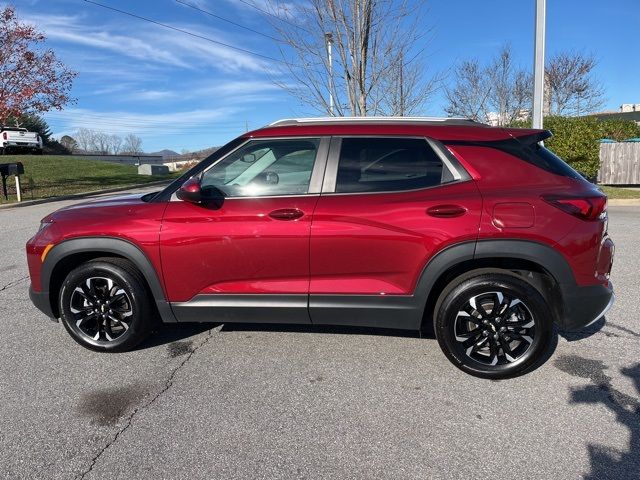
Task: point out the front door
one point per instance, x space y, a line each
226 263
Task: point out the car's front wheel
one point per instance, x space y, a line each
104 305
493 325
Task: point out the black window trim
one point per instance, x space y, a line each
448 161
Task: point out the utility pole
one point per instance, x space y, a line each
401 90
329 42
538 64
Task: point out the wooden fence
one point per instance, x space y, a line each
619 163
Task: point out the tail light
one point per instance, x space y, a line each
4 135
585 208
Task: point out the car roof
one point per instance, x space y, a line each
376 120
443 129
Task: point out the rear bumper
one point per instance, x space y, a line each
586 305
21 146
42 303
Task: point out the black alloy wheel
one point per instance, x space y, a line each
493 325
105 305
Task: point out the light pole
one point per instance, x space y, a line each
538 64
329 42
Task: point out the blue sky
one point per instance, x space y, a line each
180 92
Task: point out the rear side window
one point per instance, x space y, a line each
546 159
388 164
529 150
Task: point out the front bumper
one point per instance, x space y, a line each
42 302
585 305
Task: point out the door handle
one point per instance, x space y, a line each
286 214
446 211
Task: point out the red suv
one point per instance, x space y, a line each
383 222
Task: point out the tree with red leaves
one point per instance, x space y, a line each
32 79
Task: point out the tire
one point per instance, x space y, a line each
493 325
105 305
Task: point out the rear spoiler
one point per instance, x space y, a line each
528 136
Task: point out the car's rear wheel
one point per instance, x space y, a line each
493 325
104 305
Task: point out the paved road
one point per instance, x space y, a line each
269 402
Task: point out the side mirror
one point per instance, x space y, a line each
191 191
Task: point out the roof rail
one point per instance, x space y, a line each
381 120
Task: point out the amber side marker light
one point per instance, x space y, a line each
45 252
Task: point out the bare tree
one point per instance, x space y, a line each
404 90
469 95
114 144
570 86
101 142
132 144
499 92
85 139
378 46
511 88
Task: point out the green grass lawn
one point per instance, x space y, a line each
619 192
51 176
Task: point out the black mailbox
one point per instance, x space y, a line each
10 169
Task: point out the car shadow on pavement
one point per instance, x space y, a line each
571 336
169 333
320 329
607 462
179 333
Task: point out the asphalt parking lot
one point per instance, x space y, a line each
207 401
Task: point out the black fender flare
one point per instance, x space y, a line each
541 254
544 255
118 246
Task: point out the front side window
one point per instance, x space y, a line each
388 164
265 168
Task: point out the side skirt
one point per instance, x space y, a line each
389 311
267 308
393 311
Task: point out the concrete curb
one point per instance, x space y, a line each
623 202
74 196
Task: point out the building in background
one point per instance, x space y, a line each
627 111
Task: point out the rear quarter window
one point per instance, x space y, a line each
533 152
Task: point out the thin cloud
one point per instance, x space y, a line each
232 91
124 122
173 49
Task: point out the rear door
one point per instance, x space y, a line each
389 204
